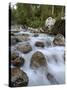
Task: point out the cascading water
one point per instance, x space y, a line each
55 61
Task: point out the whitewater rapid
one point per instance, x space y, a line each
54 56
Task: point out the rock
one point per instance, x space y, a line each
49 76
36 34
23 37
14 55
39 44
49 22
24 27
63 18
41 30
45 29
27 35
14 40
33 30
18 78
12 33
18 61
64 57
15 28
59 40
38 60
51 79
25 48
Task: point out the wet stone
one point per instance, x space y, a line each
18 78
38 60
19 61
14 55
51 79
59 40
24 48
14 40
39 44
23 37
36 34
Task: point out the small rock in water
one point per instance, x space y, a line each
36 34
59 40
49 76
24 48
51 79
18 78
38 60
39 44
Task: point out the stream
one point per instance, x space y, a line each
54 56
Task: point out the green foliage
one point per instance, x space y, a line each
34 15
59 27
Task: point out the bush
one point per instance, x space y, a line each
59 27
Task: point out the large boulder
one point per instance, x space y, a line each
25 48
38 60
18 78
39 44
50 22
59 40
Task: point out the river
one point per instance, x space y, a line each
54 56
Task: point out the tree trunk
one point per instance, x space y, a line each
53 10
62 12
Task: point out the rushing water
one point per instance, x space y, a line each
55 61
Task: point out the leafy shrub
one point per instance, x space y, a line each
59 27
